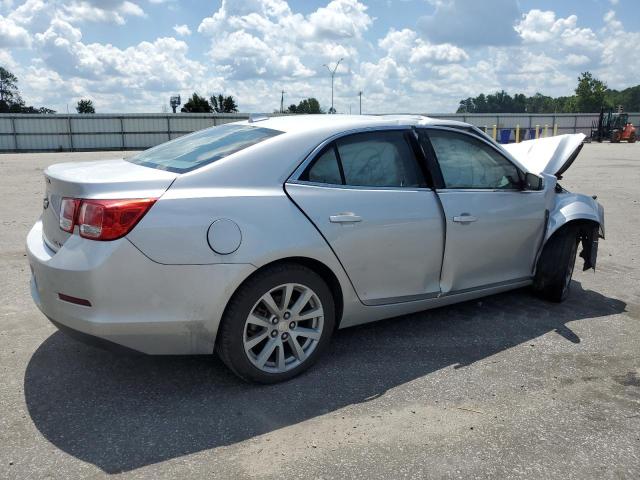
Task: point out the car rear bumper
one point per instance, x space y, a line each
111 291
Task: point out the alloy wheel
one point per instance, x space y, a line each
283 328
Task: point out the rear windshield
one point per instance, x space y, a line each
201 148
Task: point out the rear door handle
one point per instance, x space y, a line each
464 218
345 218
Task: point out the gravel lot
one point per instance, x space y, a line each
505 387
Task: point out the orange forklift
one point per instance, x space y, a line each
613 126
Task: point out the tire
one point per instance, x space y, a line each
555 266
250 316
632 137
615 136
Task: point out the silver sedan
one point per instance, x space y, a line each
258 239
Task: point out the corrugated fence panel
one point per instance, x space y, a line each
41 125
482 121
5 125
95 125
144 140
34 132
44 142
190 124
106 141
7 138
635 119
146 124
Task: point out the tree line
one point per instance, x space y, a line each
217 104
227 104
590 95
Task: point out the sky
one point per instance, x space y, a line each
418 56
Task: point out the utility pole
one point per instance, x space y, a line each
360 95
282 102
332 71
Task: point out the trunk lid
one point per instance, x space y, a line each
104 179
552 155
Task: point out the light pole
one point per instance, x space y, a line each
360 95
332 71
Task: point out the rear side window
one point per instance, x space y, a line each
379 159
325 169
203 147
371 159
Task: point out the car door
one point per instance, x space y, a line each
367 195
493 227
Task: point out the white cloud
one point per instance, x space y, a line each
94 11
182 30
577 60
471 23
265 38
537 26
445 52
259 47
12 34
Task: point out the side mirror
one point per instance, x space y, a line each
533 182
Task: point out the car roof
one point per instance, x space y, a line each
341 123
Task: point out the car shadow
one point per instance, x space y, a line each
122 412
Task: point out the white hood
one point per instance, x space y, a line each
552 155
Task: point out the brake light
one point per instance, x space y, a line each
68 210
106 219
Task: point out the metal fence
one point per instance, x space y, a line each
35 132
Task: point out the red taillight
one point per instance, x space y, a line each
68 210
108 219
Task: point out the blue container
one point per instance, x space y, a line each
505 135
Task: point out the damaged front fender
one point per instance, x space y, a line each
584 212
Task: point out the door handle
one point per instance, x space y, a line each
345 218
464 218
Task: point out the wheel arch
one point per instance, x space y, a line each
575 209
587 231
316 266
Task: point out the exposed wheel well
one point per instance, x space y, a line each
321 269
583 225
587 234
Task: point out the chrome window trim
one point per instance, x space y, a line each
306 183
295 176
475 190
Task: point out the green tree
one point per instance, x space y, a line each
222 104
85 106
8 86
590 93
10 101
196 104
629 98
308 105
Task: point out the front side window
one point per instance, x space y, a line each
201 148
466 162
